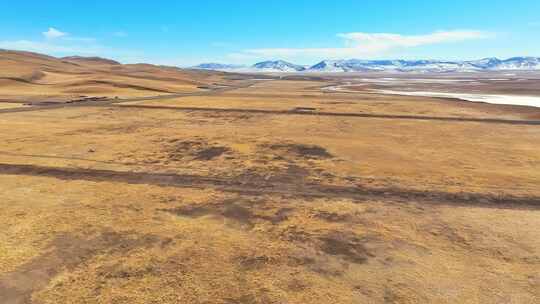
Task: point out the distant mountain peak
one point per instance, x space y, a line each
217 66
486 64
90 60
279 65
399 65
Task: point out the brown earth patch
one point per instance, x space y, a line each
346 245
278 216
307 255
296 285
304 109
197 149
211 153
189 211
245 299
301 150
255 262
222 118
333 216
66 252
242 211
238 213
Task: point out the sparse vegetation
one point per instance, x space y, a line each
235 196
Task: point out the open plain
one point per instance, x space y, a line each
147 184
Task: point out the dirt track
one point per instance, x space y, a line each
256 185
359 115
111 101
221 90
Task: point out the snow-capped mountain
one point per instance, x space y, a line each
217 66
487 64
520 63
434 66
333 66
278 66
355 65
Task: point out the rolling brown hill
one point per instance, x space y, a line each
31 77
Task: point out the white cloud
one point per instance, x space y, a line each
67 45
378 42
56 43
50 48
365 45
53 33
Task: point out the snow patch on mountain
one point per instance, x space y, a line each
487 64
355 65
279 66
217 66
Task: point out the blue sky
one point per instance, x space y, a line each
246 31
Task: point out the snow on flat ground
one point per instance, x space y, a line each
413 80
533 101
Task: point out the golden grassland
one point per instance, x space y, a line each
43 77
167 203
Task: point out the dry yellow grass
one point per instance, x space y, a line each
123 204
30 76
10 105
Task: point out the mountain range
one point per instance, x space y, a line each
355 65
